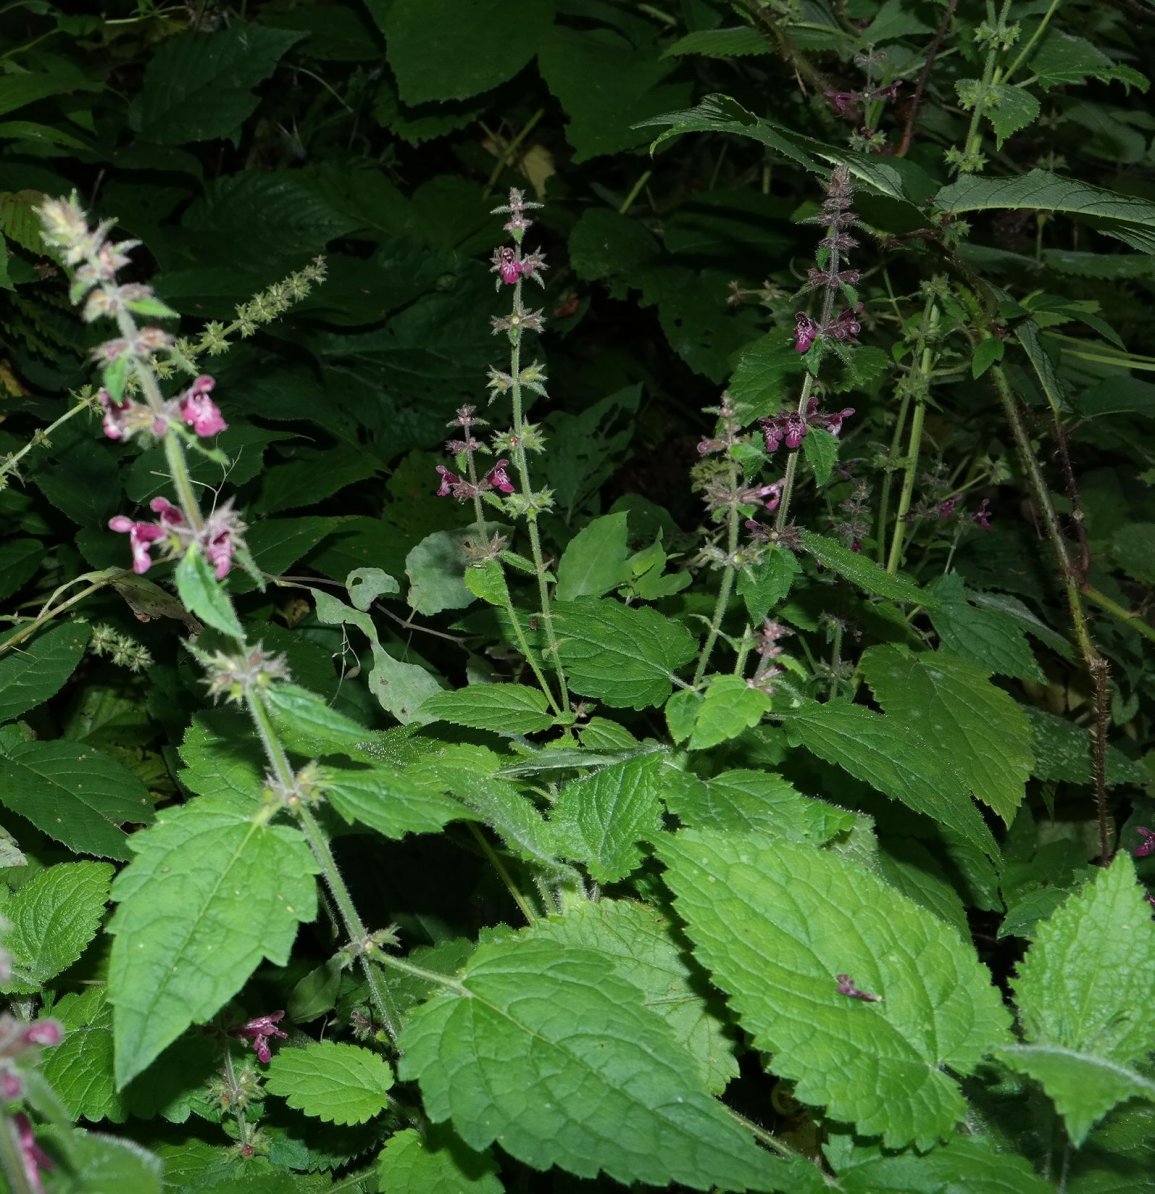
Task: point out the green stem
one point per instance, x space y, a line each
47 615
528 655
1025 52
991 77
888 477
12 1157
792 460
635 191
40 438
502 870
726 587
1129 618
244 1130
506 154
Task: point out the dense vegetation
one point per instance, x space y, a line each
577 596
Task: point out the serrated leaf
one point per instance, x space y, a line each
80 1067
439 1163
488 583
223 759
864 573
203 595
980 730
648 956
1129 219
511 709
207 897
109 1162
388 801
199 86
339 1083
887 754
766 584
1132 548
991 638
594 561
1064 58
74 794
623 656
963 1164
548 1050
39 668
721 43
1084 998
729 708
777 923
1009 110
51 920
307 725
1062 752
987 352
601 819
821 451
436 570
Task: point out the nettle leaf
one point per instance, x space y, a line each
202 594
1084 997
777 923
387 800
108 1162
1009 109
980 729
546 1049
728 708
887 754
601 819
365 585
51 919
755 802
74 794
510 709
1124 217
80 1067
721 43
765 586
223 759
478 45
1063 58
991 638
307 725
639 940
594 561
864 573
199 86
40 668
623 656
821 451
436 570
339 1083
439 1163
207 897
1062 752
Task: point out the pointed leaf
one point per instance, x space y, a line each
511 709
546 1049
435 1162
307 725
864 573
777 923
1084 992
341 1084
623 656
203 595
594 562
40 667
387 800
208 896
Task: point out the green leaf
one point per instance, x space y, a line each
766 584
990 638
388 801
203 595
987 352
365 585
623 656
594 562
889 755
312 477
436 570
721 43
759 384
51 919
1124 217
199 86
341 1084
453 49
488 583
600 819
439 1163
20 560
729 708
1062 752
24 87
40 667
864 573
963 1164
278 543
1009 110
108 1162
207 897
744 802
80 1067
982 733
647 954
777 923
821 451
1084 997
307 725
511 709
1063 58
1133 549
548 1050
223 759
74 794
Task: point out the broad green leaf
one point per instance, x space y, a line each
888 754
905 863
80 1067
1062 752
623 656
488 583
278 543
1133 549
864 573
755 802
109 1162
511 709
647 955
721 43
24 87
454 49
594 562
39 667
1028 335
1009 109
982 733
821 451
545 1048
199 86
307 725
388 801
600 820
988 637
1124 217
203 595
51 919
1064 58
74 794
764 586
207 897
20 560
312 477
760 383
341 1084
223 759
729 708
1084 998
776 923
365 585
436 570
439 1163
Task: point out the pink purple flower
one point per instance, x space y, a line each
141 537
982 515
1147 846
199 411
260 1031
36 1161
846 987
217 536
805 332
498 478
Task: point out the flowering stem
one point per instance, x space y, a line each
528 655
40 438
726 588
351 921
494 860
792 459
506 155
174 455
244 1129
919 382
1127 617
12 1157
